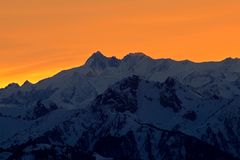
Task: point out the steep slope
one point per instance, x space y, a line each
76 87
196 102
133 119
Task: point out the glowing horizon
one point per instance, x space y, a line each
40 38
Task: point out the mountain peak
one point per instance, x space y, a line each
26 83
13 86
135 57
231 60
136 54
99 61
95 57
97 54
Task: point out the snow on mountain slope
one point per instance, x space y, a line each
9 127
222 128
141 115
199 101
80 85
85 82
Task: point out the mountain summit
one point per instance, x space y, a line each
96 56
132 108
99 62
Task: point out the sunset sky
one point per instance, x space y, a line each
38 38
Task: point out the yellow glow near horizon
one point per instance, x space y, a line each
39 38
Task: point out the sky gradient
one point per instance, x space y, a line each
38 38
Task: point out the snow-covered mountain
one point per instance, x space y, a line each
133 108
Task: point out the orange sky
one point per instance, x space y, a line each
38 38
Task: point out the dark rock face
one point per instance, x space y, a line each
131 82
119 103
169 145
41 109
123 147
42 148
170 82
110 128
226 139
171 101
121 99
189 148
190 115
168 96
54 152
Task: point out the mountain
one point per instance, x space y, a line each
133 108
